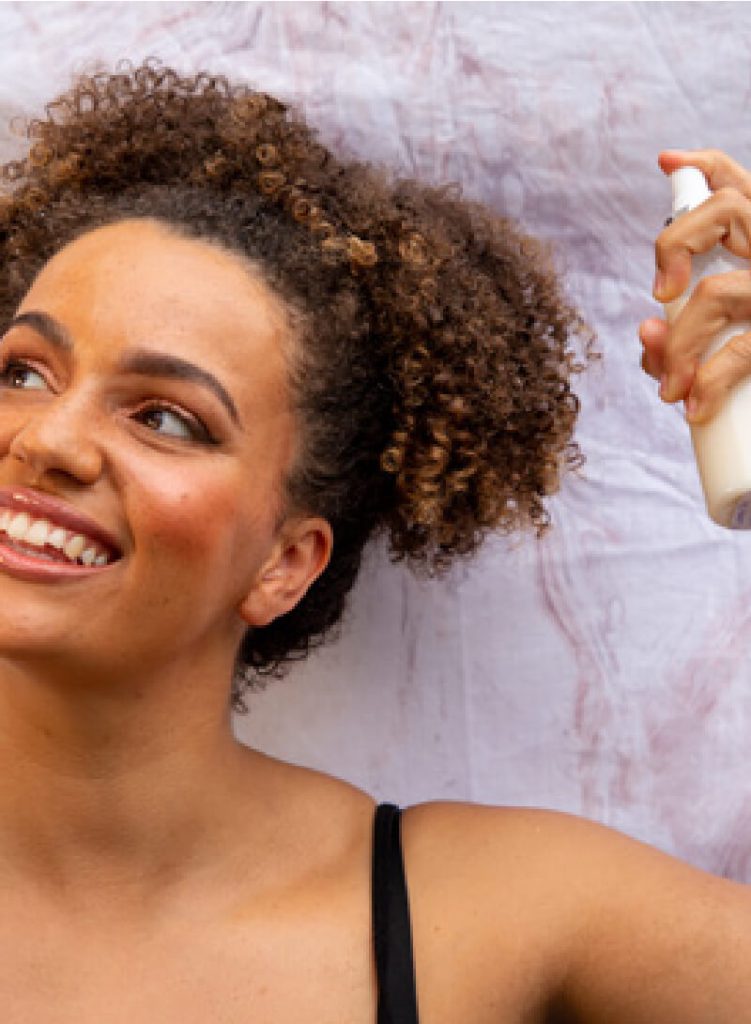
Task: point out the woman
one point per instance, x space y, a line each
229 359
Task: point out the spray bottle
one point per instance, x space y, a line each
722 445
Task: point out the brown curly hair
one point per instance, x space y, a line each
432 378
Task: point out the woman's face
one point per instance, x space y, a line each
143 384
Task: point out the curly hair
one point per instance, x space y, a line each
432 377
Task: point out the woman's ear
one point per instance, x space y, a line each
298 558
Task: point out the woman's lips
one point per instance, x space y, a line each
35 569
43 506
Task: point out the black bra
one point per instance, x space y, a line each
392 934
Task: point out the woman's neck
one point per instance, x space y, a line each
114 798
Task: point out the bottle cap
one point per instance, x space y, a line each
690 189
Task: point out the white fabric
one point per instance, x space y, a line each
605 670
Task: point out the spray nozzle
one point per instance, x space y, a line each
690 189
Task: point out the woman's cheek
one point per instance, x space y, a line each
204 525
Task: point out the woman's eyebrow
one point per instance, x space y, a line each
45 325
162 364
139 361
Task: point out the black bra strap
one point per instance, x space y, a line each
392 934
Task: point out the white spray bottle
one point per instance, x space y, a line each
722 445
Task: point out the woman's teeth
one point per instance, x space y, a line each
38 533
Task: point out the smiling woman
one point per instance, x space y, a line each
383 282
230 359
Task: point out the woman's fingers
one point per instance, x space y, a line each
650 365
653 334
724 219
717 376
721 170
716 303
674 352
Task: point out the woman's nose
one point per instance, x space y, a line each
60 438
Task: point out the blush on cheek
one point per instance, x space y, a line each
205 524
184 521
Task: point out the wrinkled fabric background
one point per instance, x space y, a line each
606 669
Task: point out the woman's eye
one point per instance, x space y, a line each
22 377
164 420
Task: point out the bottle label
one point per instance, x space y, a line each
742 514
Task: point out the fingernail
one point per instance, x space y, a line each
659 286
692 407
663 387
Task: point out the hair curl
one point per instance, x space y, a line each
432 376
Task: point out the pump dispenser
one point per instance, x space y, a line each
690 189
722 445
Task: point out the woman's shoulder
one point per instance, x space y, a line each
516 911
308 790
549 870
547 907
533 847
319 821
491 905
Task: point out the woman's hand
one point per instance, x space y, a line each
672 352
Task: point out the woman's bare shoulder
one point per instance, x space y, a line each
305 787
561 910
316 814
538 848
